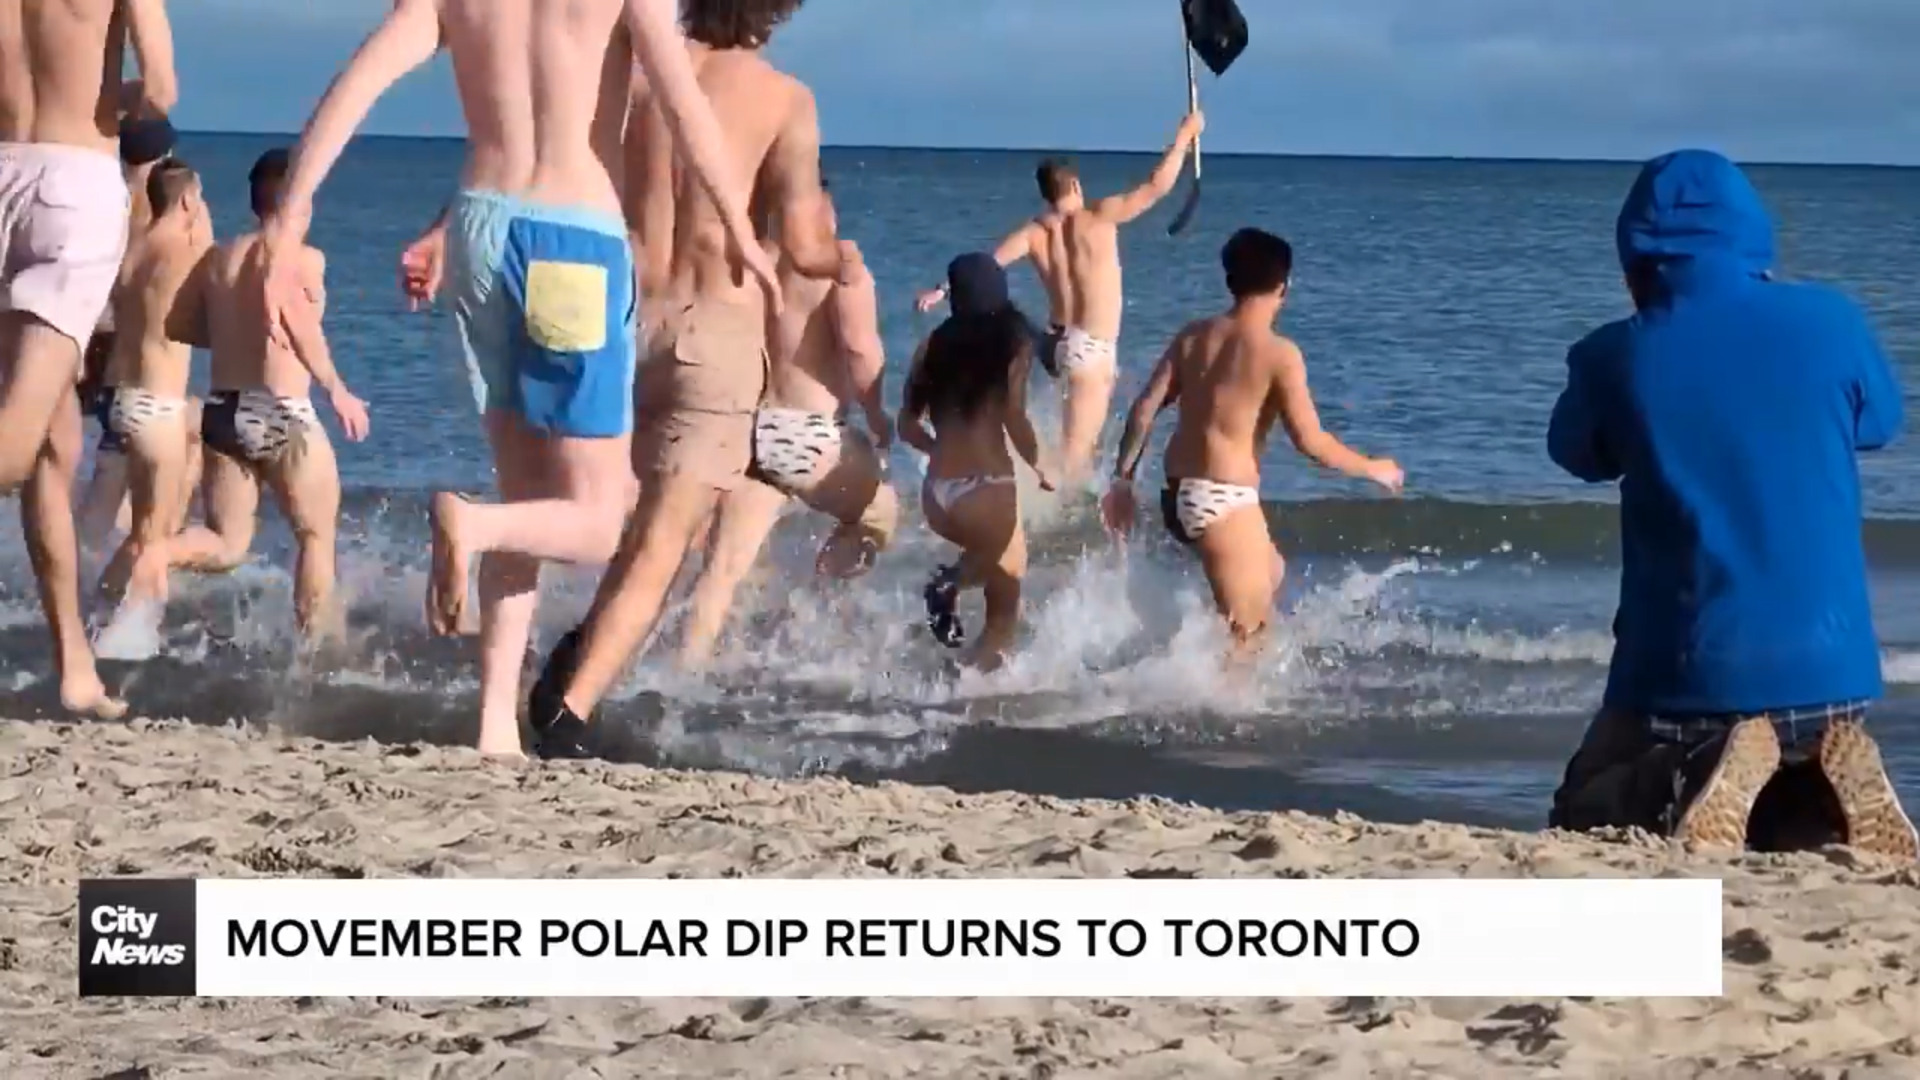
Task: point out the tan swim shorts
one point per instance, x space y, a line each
705 371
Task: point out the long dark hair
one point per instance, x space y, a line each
969 362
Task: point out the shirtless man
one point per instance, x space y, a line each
63 227
1075 246
147 409
259 423
826 360
706 372
1231 376
542 272
145 141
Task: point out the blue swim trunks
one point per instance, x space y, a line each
544 297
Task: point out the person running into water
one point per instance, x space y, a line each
148 414
706 373
1075 246
105 508
259 423
969 380
826 361
1231 376
63 229
542 275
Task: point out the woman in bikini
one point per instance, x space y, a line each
969 381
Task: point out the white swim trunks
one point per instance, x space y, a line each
63 231
1189 507
132 411
1079 351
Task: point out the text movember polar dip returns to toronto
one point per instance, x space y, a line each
850 938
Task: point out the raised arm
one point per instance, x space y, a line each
1162 390
1122 208
1302 421
1018 245
405 39
856 318
152 36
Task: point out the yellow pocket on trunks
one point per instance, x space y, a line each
567 306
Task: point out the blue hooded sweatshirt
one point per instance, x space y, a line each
1730 409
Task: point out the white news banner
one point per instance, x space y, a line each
941 937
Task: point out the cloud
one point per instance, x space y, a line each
1762 79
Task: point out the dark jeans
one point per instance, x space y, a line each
1641 772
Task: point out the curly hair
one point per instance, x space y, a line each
734 24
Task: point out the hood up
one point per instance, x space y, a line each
1693 213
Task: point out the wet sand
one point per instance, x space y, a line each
1823 949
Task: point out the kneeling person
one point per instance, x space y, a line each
1231 377
259 422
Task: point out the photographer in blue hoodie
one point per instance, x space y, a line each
1730 408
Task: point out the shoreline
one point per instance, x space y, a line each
1822 969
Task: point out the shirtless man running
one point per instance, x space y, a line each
542 272
1231 376
63 228
1075 246
706 372
259 424
825 361
147 410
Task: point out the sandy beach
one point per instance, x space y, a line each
1823 949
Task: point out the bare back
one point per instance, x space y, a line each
808 368
60 65
759 108
544 88
151 279
1228 381
1087 246
230 292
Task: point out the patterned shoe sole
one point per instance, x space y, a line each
1718 815
1850 760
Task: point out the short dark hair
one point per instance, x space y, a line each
1257 262
734 24
168 183
267 179
1054 176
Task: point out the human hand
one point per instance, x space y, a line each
755 260
1192 125
930 299
351 411
880 426
1387 473
422 265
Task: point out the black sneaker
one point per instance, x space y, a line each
557 731
943 597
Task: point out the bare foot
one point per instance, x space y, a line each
88 698
849 552
447 585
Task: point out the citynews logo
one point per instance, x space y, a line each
129 920
136 937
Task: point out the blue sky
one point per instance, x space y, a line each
1776 80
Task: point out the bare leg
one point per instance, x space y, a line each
54 548
743 519
307 487
672 508
156 466
999 579
37 369
985 523
855 493
231 495
1244 570
105 506
1089 392
572 514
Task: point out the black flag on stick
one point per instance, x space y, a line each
1217 32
